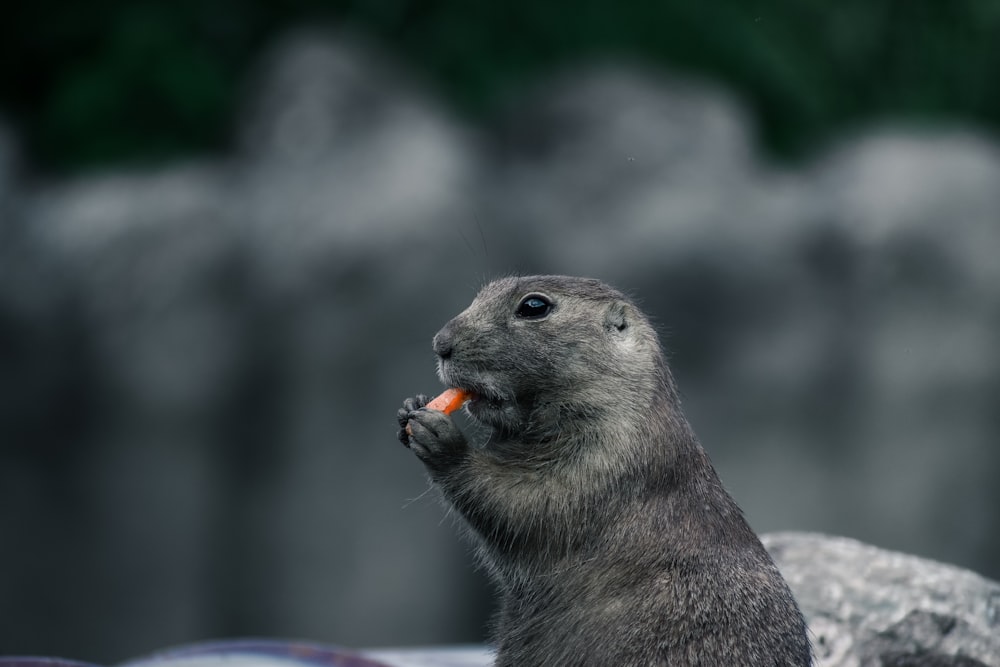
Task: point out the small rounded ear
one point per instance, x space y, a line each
616 317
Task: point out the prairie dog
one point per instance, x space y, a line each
594 508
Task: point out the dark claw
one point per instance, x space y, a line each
403 416
415 403
410 405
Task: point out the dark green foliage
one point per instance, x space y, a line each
107 80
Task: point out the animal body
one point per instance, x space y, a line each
595 510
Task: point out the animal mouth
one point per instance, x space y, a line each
480 395
480 400
485 401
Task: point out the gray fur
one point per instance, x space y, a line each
596 511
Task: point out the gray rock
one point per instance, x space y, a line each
869 607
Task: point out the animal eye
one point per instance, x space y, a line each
533 307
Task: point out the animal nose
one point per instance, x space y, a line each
444 342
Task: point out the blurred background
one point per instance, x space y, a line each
228 231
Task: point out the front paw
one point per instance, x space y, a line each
431 434
410 405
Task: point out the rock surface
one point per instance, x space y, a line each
869 607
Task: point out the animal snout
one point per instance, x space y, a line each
444 342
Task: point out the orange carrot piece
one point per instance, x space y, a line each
449 400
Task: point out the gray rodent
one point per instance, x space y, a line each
595 510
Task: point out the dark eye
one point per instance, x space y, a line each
533 307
